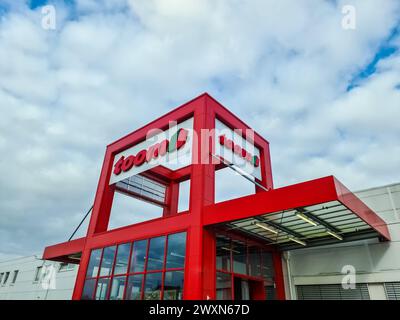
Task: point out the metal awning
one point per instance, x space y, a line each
307 226
312 213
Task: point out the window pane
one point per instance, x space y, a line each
270 292
224 286
156 254
176 250
101 291
117 288
138 256
134 288
239 257
94 264
15 276
267 266
88 289
6 277
184 196
152 289
37 274
173 285
223 254
121 263
107 261
254 261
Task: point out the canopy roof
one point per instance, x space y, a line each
311 213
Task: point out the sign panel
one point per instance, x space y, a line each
171 148
232 147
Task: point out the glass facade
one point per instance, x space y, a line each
244 264
224 286
173 285
94 263
138 257
150 269
156 254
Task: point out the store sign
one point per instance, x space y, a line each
232 147
239 151
170 148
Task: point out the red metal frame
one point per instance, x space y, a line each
200 247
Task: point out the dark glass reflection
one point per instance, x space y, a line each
156 253
107 261
94 263
173 285
224 286
152 289
176 250
88 289
239 252
254 261
138 256
121 263
134 287
267 266
223 254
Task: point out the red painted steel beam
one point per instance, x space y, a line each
351 201
138 231
57 251
298 195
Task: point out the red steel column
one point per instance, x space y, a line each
201 194
279 279
172 199
98 220
80 278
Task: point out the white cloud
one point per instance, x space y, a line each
282 66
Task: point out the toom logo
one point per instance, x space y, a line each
155 151
238 150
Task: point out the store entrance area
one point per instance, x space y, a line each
245 269
241 289
246 289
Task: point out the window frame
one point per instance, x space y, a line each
38 274
14 277
145 270
6 277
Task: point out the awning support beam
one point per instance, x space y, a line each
279 227
318 220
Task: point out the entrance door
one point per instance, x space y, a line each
241 289
246 289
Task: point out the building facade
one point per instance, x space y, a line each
231 249
31 278
317 273
308 273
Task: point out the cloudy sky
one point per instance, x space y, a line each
326 97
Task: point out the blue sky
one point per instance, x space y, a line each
385 50
326 98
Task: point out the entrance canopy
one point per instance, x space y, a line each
312 213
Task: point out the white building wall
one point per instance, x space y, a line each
53 283
374 262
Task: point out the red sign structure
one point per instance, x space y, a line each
153 152
231 249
